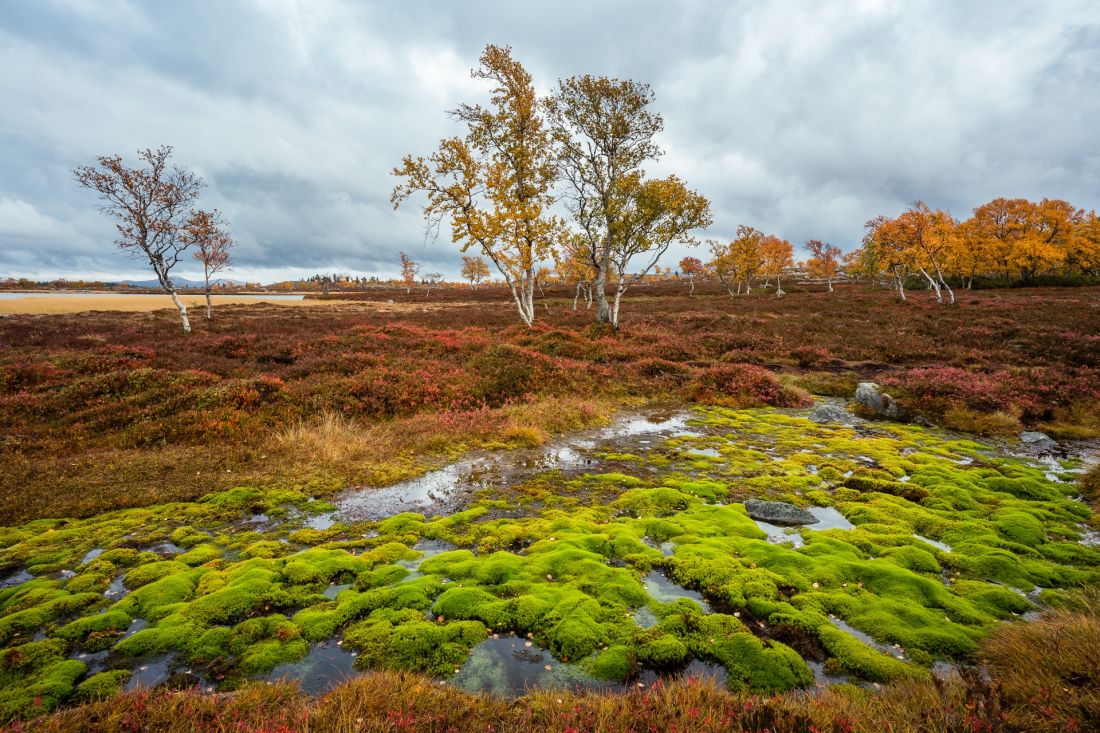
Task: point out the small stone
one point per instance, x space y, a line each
778 512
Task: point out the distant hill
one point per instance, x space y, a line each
180 282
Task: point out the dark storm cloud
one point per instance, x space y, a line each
801 118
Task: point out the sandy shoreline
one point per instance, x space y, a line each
133 303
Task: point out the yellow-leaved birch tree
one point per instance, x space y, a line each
495 185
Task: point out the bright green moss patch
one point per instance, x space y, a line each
102 684
35 677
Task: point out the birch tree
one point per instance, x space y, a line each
495 185
824 261
474 269
691 268
777 255
149 204
604 133
409 271
207 232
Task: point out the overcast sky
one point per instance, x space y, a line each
804 119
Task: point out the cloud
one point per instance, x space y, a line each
804 119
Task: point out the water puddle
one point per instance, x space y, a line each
935 543
822 678
446 490
704 452
430 494
336 589
91 555
167 548
326 666
511 666
95 661
16 579
781 535
137 625
660 588
829 518
893 650
151 673
321 522
645 618
117 588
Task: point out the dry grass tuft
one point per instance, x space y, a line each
332 439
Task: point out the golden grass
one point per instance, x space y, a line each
321 455
136 303
334 439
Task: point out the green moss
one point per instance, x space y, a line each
261 644
78 630
662 652
200 555
403 640
102 684
188 536
560 560
265 549
614 663
147 573
35 678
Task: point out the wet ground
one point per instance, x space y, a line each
512 665
449 488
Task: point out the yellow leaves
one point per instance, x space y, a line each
776 254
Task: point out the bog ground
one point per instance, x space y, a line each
400 512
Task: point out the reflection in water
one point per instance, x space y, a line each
829 518
512 665
150 673
447 488
780 535
660 588
935 543
326 666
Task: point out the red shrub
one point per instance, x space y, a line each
742 385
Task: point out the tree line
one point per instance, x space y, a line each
1005 239
585 146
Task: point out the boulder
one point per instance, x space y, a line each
1037 439
870 396
825 412
778 512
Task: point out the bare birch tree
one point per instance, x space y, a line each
149 205
208 233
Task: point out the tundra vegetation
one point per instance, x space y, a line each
436 500
237 560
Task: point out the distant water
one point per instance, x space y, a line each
8 295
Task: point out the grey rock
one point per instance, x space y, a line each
778 512
871 396
825 412
1034 437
